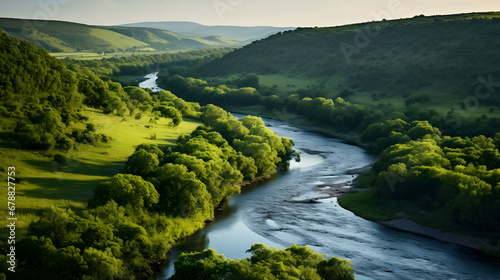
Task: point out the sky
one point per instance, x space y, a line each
286 13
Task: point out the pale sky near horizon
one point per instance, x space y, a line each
290 13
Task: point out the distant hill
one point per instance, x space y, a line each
442 56
235 33
60 36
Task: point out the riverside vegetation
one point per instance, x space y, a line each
438 144
163 193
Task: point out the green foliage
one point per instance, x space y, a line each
138 94
181 193
417 98
41 94
456 176
170 112
60 225
102 264
295 262
271 102
199 91
459 175
43 97
204 265
188 109
126 189
249 80
142 163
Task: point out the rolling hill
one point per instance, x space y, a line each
235 33
444 57
60 36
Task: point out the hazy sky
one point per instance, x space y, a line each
237 12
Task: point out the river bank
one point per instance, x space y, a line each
360 201
449 237
298 121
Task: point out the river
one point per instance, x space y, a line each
150 82
263 214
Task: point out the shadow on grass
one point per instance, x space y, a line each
72 167
9 140
69 182
62 189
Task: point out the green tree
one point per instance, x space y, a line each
296 262
203 265
126 189
142 162
103 265
181 193
62 226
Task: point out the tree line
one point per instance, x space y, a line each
143 64
201 91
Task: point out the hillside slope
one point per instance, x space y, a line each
59 36
236 33
390 59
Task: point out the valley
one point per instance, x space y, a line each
141 153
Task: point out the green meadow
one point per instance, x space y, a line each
42 182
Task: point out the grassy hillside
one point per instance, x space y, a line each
236 33
378 62
59 36
43 182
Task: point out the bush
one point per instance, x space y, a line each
60 158
125 189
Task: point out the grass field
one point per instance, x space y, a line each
116 39
41 182
287 84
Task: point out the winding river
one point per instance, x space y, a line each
267 214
